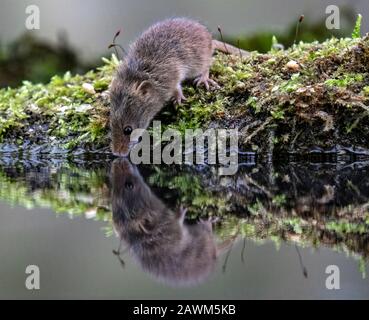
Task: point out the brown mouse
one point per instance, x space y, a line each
158 238
156 64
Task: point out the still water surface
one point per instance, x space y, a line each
58 215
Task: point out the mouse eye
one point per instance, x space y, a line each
127 130
129 185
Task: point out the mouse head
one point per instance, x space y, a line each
135 208
155 234
133 103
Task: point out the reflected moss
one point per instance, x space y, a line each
67 190
263 204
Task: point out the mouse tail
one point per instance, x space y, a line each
229 49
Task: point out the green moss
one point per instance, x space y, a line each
345 80
279 200
366 91
356 33
345 227
71 191
261 87
291 85
295 224
277 113
71 115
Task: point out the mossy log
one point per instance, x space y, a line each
313 97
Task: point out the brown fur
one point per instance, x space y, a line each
158 238
152 72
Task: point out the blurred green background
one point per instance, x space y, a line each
73 37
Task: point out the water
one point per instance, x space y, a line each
279 227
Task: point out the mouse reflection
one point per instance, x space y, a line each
159 238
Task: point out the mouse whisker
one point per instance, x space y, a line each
133 143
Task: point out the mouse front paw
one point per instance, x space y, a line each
206 81
178 96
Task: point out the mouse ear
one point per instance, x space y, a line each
144 87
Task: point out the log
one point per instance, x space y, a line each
311 98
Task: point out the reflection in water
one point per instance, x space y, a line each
315 205
159 238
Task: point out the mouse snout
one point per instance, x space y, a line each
120 148
121 151
124 152
121 154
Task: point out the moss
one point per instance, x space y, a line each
357 30
366 91
312 94
345 80
70 191
279 200
61 113
345 227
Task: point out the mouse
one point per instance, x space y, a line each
151 74
158 238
